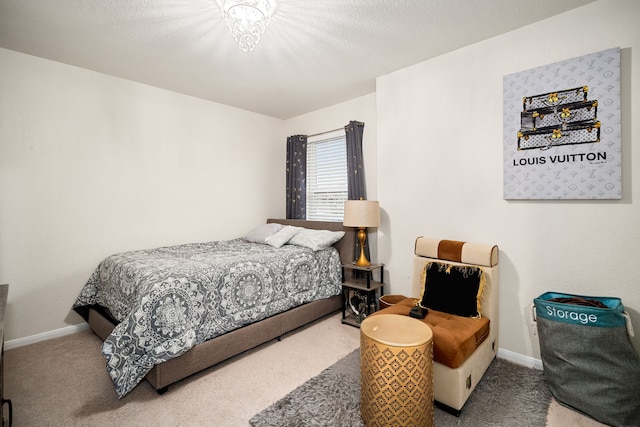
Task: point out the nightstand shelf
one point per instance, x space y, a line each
360 292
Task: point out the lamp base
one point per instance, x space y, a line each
362 237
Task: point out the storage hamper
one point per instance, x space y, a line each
589 361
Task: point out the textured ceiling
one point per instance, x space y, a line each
315 53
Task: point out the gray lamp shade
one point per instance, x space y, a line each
361 213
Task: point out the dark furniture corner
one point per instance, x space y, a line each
4 291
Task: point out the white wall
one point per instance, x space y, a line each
91 165
362 109
440 170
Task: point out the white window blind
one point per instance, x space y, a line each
327 177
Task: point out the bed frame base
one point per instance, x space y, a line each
225 346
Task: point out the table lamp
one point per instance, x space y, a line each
361 214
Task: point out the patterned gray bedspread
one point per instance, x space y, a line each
169 299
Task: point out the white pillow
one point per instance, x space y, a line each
283 236
316 239
262 232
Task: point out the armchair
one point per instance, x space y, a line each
465 344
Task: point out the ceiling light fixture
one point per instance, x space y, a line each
247 20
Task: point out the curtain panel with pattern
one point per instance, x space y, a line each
296 185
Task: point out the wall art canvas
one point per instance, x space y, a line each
562 134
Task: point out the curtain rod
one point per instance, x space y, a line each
326 131
334 130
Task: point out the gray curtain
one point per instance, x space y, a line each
355 168
355 172
296 177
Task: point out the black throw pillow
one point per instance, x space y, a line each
452 289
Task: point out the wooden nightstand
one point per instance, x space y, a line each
360 294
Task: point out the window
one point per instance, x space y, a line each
327 176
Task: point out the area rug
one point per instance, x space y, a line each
508 395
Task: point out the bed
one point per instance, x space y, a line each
165 321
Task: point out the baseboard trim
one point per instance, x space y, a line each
520 359
68 330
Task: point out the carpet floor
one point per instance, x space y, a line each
63 382
508 394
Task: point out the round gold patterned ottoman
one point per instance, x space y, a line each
396 371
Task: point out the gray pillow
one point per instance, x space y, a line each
283 236
316 239
262 232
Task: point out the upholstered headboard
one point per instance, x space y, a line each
345 246
460 253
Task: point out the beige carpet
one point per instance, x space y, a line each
62 382
561 416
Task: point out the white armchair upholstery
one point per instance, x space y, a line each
452 387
